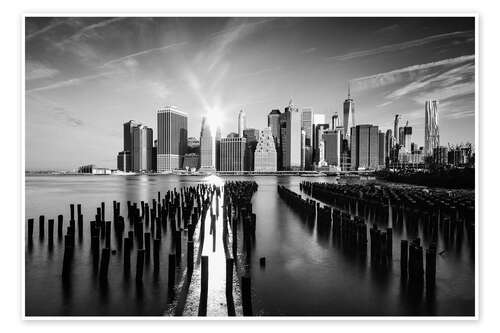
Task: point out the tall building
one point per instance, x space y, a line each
318 138
232 154
290 127
207 147
389 144
154 157
265 156
307 125
407 137
252 136
273 121
332 145
349 120
364 147
218 137
172 138
431 127
242 123
401 137
137 154
335 121
396 128
381 149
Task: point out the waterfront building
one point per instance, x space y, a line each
349 120
389 144
381 149
137 148
207 147
242 122
396 129
252 136
172 138
317 139
440 155
401 137
332 147
265 156
273 121
431 139
124 161
232 154
364 147
154 156
407 137
191 161
290 128
193 145
307 125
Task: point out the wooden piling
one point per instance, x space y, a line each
156 256
171 271
202 309
246 295
30 229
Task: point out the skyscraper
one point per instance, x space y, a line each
273 121
137 148
348 112
242 123
389 144
172 138
318 138
207 147
307 125
431 139
396 128
364 147
408 130
265 156
335 121
290 125
381 149
232 154
332 143
252 136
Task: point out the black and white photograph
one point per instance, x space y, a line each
265 166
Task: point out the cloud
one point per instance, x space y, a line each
159 89
36 70
71 82
54 24
406 73
58 112
141 53
309 50
386 29
401 46
90 30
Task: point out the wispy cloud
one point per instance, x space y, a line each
141 53
309 50
89 30
36 70
406 73
71 82
59 112
47 28
401 46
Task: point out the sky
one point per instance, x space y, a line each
86 76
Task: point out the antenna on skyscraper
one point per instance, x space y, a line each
348 89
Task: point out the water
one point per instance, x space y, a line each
304 274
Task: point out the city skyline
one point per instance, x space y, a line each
86 75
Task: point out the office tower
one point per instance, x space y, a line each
335 121
154 156
407 137
207 147
319 118
218 137
124 161
290 127
302 150
317 139
431 126
137 148
381 149
265 156
364 147
252 136
401 136
172 138
389 144
348 113
273 121
232 154
396 128
332 144
242 123
307 125
440 155
193 145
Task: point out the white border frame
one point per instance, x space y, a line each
22 179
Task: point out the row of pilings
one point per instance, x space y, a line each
238 214
350 233
433 214
138 234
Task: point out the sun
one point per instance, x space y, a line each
215 119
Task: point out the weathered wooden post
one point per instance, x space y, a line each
51 231
126 255
404 259
59 226
171 271
147 246
156 257
190 256
41 230
246 295
202 309
30 230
